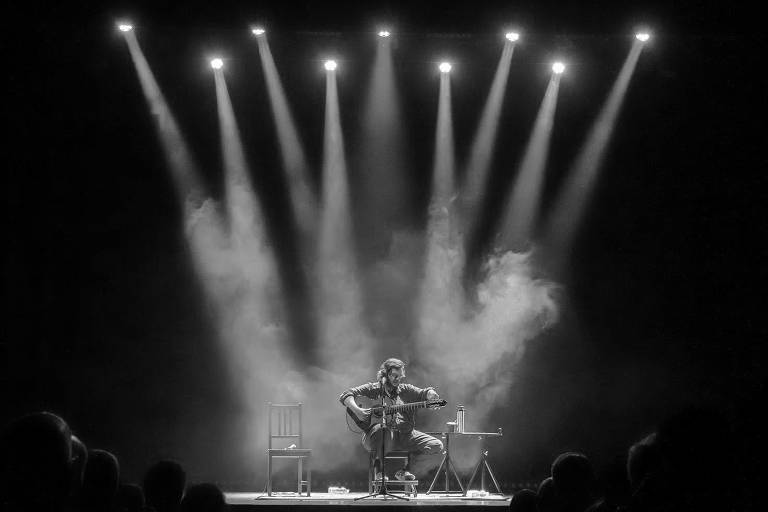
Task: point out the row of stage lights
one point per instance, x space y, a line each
330 65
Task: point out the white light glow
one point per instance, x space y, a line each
258 31
512 36
384 33
125 27
643 36
558 67
445 67
330 65
217 63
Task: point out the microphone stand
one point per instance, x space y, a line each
382 485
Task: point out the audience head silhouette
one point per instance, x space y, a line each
203 498
129 498
35 461
79 460
164 486
547 499
524 501
574 480
102 476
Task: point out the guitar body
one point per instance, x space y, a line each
379 414
372 418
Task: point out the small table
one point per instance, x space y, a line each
446 465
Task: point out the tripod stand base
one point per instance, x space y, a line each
482 466
409 487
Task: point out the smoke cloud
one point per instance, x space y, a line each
470 351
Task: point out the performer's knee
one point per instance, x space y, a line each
372 439
434 446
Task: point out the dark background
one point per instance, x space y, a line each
104 322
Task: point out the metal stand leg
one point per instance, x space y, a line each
483 465
446 465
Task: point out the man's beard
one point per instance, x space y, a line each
390 385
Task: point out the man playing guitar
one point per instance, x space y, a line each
401 401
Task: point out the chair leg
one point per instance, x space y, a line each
301 473
309 478
269 475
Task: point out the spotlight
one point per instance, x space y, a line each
444 67
217 63
643 36
330 65
258 31
512 36
384 33
125 27
558 67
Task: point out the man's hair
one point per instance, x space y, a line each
388 365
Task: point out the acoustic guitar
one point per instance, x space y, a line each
379 413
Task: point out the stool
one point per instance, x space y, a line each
409 486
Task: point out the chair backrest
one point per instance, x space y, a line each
284 425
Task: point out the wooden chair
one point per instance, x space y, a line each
284 432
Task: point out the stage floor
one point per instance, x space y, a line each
321 500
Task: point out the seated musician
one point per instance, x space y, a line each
401 436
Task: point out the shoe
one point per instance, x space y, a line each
404 475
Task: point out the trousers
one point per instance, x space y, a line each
424 448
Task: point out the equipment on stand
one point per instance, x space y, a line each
456 429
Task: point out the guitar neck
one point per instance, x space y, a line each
389 409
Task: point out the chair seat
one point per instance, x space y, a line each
292 452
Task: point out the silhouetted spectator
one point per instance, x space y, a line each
79 460
615 487
574 481
164 486
203 498
696 454
644 458
35 461
524 501
102 476
546 496
129 498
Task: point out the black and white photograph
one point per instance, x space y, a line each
303 255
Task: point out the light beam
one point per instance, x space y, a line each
292 152
382 203
519 217
342 329
178 155
481 154
571 202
